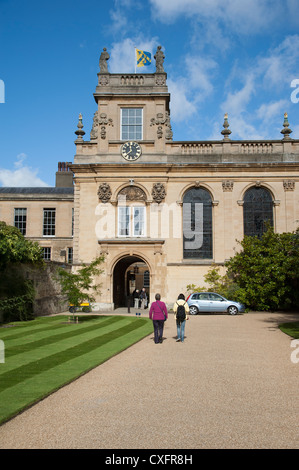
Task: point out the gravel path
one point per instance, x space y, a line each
232 384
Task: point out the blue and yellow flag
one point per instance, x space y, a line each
143 58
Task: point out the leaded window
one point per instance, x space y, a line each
257 211
197 224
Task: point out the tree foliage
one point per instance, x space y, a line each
14 248
264 275
16 293
79 286
266 270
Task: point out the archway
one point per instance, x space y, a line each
130 273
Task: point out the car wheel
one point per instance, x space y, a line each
232 310
193 310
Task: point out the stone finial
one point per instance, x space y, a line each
159 56
226 132
80 133
286 131
104 61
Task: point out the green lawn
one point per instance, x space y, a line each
42 355
291 329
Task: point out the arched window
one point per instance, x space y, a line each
257 211
197 224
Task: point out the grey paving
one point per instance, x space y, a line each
232 384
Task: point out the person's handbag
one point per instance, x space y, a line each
162 311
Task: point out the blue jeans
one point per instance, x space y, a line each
181 329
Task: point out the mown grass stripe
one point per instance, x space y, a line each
22 373
37 354
47 340
24 394
17 331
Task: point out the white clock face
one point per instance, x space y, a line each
131 151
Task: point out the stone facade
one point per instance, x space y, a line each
31 204
161 211
154 183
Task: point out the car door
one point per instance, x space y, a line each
204 302
217 303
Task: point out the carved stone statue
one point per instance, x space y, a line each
104 61
159 56
95 125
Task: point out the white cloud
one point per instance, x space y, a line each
237 101
280 66
268 112
21 176
181 106
240 16
189 91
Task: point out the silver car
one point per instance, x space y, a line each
210 302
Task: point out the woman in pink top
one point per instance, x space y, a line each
158 313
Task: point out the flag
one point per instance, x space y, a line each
143 58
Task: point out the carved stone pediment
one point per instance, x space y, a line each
132 193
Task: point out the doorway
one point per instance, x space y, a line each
129 273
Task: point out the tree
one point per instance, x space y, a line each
14 248
264 275
16 293
77 285
266 271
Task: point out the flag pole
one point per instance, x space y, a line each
135 60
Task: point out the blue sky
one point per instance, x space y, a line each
239 57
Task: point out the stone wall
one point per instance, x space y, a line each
49 299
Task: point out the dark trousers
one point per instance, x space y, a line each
158 330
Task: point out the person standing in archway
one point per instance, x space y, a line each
143 298
158 313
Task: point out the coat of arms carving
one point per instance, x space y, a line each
104 192
158 192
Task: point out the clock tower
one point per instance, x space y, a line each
130 130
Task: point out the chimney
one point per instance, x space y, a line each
64 176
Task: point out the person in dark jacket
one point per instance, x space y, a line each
158 313
136 298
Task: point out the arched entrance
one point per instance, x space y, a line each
130 273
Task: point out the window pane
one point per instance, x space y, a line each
21 220
70 255
197 224
47 253
131 124
257 211
49 222
139 221
124 221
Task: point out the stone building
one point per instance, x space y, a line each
162 211
44 215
